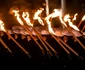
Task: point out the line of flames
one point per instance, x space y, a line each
56 13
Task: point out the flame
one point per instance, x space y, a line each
49 24
67 18
75 17
2 26
56 13
62 21
73 26
36 16
83 18
25 16
16 12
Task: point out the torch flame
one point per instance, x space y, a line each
36 16
75 16
49 24
73 26
25 16
2 26
83 18
56 13
16 12
62 21
67 18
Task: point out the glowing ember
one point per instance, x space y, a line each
36 16
2 26
25 16
16 12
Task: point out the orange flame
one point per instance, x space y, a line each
56 13
83 18
25 16
49 24
62 21
36 16
16 12
67 18
2 26
73 26
75 17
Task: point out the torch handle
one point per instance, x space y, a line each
46 42
42 41
75 37
83 28
59 42
2 42
17 43
34 40
79 24
82 34
69 47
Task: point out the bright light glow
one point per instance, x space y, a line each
67 18
83 18
49 24
16 12
75 17
37 17
25 16
2 26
